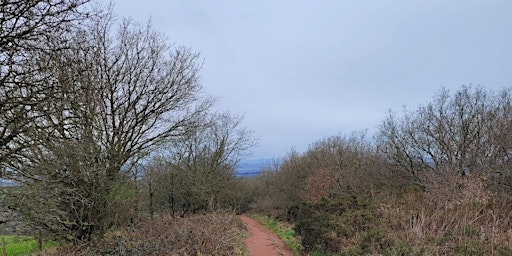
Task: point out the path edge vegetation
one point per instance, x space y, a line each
285 233
23 245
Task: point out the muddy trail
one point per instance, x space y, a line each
262 241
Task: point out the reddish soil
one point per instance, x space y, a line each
262 241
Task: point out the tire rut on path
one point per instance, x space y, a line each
262 241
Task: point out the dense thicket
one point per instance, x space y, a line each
433 181
329 167
197 172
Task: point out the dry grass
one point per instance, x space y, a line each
208 234
457 216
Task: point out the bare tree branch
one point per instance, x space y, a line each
27 29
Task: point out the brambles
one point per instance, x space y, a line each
328 225
436 182
218 233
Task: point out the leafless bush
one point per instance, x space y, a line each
465 132
196 172
217 233
456 215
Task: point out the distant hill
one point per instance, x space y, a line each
252 167
7 183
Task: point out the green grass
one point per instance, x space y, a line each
286 234
22 245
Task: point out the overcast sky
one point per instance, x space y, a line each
301 70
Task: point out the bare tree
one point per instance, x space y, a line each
219 143
116 95
136 90
28 28
198 169
28 25
457 132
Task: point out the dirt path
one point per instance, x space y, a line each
262 241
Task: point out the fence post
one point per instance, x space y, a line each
40 241
4 249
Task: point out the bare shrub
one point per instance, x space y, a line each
319 186
217 233
465 132
455 216
455 189
332 166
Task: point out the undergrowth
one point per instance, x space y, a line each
206 234
459 216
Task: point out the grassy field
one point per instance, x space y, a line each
22 245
